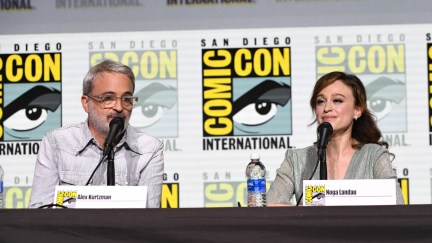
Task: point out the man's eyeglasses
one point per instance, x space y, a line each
108 100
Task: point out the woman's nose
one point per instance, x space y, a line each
327 108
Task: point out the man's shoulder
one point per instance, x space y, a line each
143 139
66 137
67 129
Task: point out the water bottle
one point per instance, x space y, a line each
256 182
1 187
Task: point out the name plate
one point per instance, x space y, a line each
349 192
101 196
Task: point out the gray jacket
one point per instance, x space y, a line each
371 161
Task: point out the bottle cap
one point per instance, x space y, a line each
255 156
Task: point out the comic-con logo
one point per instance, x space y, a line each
30 95
226 193
66 198
170 197
246 92
6 5
404 185
429 82
381 67
156 87
315 195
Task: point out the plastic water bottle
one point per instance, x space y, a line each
256 182
1 187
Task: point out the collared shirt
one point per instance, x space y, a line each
69 155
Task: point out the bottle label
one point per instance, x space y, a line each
256 185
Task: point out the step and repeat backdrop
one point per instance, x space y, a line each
214 96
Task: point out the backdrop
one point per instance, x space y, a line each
213 93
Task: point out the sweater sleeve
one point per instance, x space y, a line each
282 188
383 169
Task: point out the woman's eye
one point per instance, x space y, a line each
320 102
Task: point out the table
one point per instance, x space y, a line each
282 224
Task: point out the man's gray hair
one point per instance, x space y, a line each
107 66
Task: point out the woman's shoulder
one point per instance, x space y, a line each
373 151
373 147
300 152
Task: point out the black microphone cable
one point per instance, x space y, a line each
51 205
313 173
115 124
94 171
324 131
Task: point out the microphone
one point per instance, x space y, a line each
116 127
324 131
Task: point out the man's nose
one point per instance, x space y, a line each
118 104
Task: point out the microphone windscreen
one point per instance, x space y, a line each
324 131
116 126
117 121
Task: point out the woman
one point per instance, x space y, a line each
353 151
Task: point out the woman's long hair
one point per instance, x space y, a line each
365 129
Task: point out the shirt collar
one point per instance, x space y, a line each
129 141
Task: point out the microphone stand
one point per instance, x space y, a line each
323 164
110 168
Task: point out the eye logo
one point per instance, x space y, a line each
386 99
156 110
263 109
246 92
31 114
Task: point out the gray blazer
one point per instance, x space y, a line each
371 161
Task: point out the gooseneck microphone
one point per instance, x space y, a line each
115 128
324 131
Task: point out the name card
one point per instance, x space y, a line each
101 196
349 192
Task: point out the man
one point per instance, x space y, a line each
69 155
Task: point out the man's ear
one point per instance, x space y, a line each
84 102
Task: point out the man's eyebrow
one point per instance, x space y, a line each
113 93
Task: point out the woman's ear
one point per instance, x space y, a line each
358 113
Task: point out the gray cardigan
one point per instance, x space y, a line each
371 161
